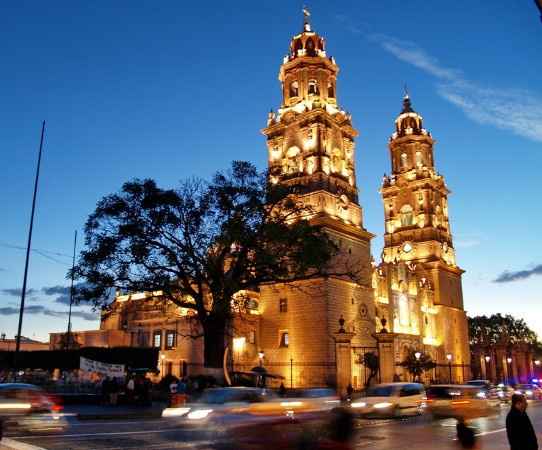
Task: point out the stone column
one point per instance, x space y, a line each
343 360
386 356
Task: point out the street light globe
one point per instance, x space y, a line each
261 354
449 356
417 355
508 360
537 362
162 356
487 358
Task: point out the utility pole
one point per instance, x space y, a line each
68 343
27 260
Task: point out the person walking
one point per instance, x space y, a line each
519 428
113 392
130 390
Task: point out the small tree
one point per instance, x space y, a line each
417 366
200 245
371 361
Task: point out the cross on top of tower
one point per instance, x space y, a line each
306 15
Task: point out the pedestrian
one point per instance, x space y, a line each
130 390
519 428
106 387
349 391
113 392
282 390
173 392
465 434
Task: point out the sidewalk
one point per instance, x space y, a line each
10 444
106 412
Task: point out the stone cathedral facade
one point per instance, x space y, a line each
315 332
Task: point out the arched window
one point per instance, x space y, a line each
404 160
291 162
330 90
309 46
419 159
407 216
313 88
294 89
404 310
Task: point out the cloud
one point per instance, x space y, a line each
507 276
16 292
62 293
39 309
516 110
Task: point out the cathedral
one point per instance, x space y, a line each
316 332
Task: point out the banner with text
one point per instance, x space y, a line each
111 370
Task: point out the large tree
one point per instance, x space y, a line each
200 244
498 329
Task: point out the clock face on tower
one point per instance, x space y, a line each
407 247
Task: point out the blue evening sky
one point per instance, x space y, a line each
172 89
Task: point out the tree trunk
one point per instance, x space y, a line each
214 341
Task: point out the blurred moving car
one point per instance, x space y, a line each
504 392
390 400
489 388
530 391
28 407
459 401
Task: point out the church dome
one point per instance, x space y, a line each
409 122
308 42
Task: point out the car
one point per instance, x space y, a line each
29 407
530 391
504 392
459 401
390 400
219 401
489 388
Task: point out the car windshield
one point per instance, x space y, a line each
379 391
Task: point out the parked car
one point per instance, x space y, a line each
455 401
530 391
390 400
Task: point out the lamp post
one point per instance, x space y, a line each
449 358
508 368
487 358
162 357
261 354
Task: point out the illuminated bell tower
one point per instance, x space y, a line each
310 139
418 254
310 142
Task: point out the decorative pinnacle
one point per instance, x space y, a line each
306 15
406 91
407 107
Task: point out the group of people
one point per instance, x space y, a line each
137 389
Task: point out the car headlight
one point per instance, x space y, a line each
199 414
481 395
382 405
529 393
174 412
358 404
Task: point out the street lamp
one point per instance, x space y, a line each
509 361
449 358
488 358
261 354
417 355
536 362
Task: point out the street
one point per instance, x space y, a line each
419 433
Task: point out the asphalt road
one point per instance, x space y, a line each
420 433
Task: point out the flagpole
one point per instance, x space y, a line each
68 343
25 278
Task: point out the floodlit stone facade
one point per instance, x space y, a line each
314 332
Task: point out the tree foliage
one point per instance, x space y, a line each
500 330
417 366
371 361
200 244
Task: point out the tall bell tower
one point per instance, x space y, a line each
418 254
310 142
